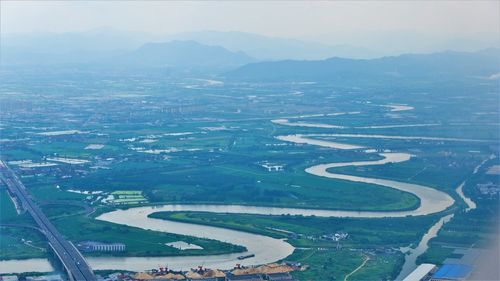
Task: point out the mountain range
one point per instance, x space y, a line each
484 63
235 55
182 54
84 46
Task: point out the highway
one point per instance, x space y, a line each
74 263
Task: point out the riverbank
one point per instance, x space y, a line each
21 242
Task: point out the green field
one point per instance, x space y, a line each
335 265
367 237
138 242
79 227
363 233
165 143
473 229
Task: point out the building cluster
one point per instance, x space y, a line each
458 267
488 189
95 246
447 272
272 167
125 197
268 272
48 277
335 236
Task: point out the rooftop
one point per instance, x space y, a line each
453 271
247 277
420 272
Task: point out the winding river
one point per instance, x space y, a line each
265 249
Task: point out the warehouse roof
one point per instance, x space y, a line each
420 272
453 271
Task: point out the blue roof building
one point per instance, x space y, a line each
452 272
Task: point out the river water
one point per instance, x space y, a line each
412 254
266 249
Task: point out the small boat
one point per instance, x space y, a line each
246 257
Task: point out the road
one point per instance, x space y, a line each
75 264
367 258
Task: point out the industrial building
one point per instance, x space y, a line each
449 272
9 278
284 276
422 272
94 246
246 277
51 277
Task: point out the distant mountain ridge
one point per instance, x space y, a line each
96 45
172 55
68 47
271 48
238 54
482 63
183 54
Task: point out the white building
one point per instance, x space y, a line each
421 272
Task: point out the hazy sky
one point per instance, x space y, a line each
276 18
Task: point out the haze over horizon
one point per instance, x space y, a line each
249 140
404 27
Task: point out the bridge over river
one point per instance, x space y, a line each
73 262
